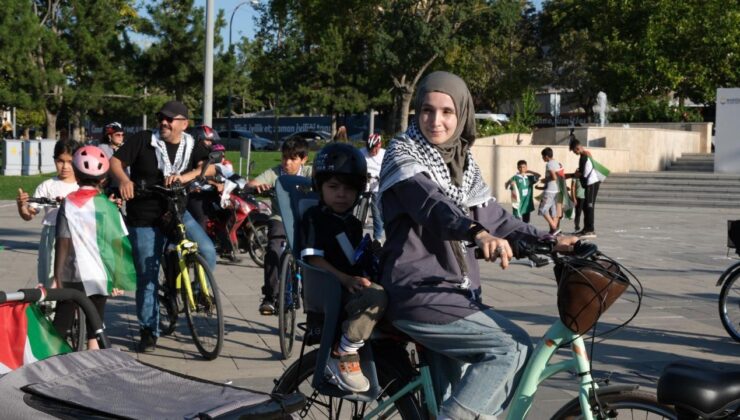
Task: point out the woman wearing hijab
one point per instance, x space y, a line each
435 203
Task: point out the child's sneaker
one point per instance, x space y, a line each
345 372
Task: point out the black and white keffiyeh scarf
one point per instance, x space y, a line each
410 153
182 156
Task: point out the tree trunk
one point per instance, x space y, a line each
51 123
405 98
77 130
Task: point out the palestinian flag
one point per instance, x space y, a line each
600 170
102 250
26 336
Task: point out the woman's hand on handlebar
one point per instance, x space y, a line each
494 248
565 244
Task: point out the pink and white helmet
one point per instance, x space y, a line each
90 162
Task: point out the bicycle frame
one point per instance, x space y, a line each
539 368
184 248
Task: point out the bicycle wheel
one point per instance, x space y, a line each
206 320
167 304
76 336
286 303
629 404
299 375
257 242
729 306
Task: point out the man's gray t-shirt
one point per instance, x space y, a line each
551 185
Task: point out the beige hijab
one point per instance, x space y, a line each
455 150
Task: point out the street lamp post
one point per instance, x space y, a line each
228 98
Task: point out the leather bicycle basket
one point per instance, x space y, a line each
586 289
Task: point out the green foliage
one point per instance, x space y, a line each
653 110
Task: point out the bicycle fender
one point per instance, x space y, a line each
613 389
730 272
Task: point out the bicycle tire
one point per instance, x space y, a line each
257 242
621 404
207 321
729 306
77 334
167 304
286 305
299 375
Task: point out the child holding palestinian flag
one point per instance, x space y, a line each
93 253
522 194
591 175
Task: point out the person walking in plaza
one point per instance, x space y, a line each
522 191
331 238
55 188
374 154
93 253
164 156
591 175
551 204
435 203
294 156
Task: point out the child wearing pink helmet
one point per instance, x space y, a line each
93 253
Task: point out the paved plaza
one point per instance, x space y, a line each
677 254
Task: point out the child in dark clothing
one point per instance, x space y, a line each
331 235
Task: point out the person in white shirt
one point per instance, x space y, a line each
374 154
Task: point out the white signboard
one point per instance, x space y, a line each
727 133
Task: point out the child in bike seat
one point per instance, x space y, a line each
331 238
54 188
93 253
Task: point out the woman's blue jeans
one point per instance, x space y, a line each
147 244
475 362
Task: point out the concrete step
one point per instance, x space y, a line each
675 175
690 166
698 157
649 194
693 188
668 202
652 183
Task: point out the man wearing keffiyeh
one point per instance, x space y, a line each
158 157
435 205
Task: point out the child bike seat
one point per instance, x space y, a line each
294 195
699 390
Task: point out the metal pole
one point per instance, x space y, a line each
143 119
208 82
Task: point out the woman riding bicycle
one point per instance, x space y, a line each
435 202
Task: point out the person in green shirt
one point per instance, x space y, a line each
294 156
521 186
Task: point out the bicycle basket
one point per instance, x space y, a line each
586 289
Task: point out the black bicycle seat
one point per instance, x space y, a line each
703 391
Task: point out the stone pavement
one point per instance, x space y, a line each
677 254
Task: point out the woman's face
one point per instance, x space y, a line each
438 119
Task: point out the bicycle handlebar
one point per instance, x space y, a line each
76 296
44 201
546 247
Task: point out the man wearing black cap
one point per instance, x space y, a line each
155 157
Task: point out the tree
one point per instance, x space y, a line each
174 61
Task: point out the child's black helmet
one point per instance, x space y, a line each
340 159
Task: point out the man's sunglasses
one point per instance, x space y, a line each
161 117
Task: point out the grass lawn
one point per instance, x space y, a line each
262 160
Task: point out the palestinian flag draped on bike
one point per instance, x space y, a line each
26 336
103 255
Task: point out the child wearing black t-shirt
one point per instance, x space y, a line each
331 236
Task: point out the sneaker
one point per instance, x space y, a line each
267 307
555 232
345 372
231 257
147 343
586 235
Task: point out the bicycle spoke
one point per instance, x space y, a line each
205 317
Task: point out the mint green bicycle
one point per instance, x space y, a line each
401 386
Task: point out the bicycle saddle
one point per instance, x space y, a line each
700 390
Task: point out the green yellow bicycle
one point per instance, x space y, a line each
187 284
